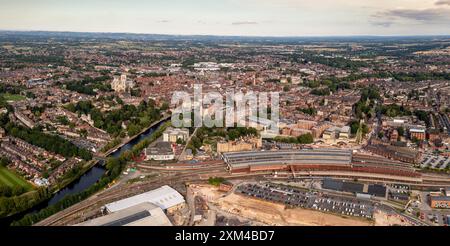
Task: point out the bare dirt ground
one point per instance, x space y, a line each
385 219
272 213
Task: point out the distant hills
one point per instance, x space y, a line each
163 37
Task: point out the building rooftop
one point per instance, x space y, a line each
165 197
440 198
160 148
416 130
143 214
288 157
377 190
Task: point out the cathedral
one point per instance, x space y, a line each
121 83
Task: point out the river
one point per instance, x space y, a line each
85 181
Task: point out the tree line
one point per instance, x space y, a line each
16 204
136 118
88 85
302 139
114 167
52 143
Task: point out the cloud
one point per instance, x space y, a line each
434 15
163 21
382 23
244 23
443 2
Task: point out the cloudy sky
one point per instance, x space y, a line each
231 17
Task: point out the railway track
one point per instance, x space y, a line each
96 201
116 193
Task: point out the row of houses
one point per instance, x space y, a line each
33 162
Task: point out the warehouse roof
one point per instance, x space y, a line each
352 187
332 184
339 185
143 214
165 197
377 190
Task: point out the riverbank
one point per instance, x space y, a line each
114 168
128 140
86 167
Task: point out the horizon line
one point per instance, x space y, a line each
233 35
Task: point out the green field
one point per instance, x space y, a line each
10 179
13 97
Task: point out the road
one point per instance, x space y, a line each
182 156
176 178
190 200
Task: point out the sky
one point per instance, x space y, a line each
231 17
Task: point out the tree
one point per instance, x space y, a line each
354 125
309 110
196 142
5 191
216 181
4 161
305 139
63 120
18 190
133 130
165 106
180 141
52 143
233 134
321 92
423 116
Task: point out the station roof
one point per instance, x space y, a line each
287 157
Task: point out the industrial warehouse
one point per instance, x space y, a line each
164 197
146 209
321 162
143 214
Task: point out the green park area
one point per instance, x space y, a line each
10 179
12 97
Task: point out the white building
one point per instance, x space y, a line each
335 132
143 214
173 134
344 132
206 66
164 197
41 182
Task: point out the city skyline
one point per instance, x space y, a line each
232 18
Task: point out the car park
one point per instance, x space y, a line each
305 199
